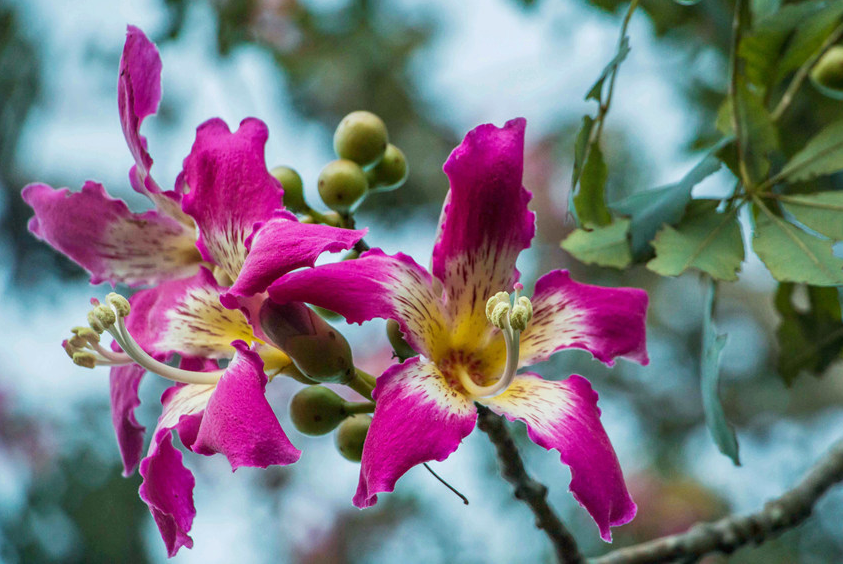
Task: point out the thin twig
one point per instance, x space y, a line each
527 489
738 24
802 73
731 533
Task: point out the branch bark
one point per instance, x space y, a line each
731 533
528 490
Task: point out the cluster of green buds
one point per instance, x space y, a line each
827 74
318 410
367 162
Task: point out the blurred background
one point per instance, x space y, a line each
432 69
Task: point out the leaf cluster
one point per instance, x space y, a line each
782 203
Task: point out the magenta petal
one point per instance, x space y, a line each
115 245
229 189
186 317
418 418
485 222
607 322
564 416
375 285
239 422
138 95
281 245
124 382
167 489
167 486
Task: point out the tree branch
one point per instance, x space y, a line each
730 533
527 489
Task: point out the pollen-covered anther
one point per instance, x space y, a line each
101 318
85 359
89 335
119 304
497 309
521 314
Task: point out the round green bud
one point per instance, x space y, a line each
342 184
390 173
402 348
317 410
361 137
351 435
332 218
827 74
293 187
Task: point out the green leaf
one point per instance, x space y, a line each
603 246
704 239
821 211
809 37
590 200
651 209
811 340
715 419
761 48
822 155
580 147
596 90
757 134
793 255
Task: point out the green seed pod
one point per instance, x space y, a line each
317 410
402 349
390 173
361 137
351 435
318 350
293 187
827 74
332 218
342 184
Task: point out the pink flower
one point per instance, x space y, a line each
425 405
226 197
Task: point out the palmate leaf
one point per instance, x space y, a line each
715 419
823 154
811 340
821 211
792 255
603 246
651 209
704 239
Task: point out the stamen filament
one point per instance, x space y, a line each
512 340
141 357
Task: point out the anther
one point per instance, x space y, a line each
84 358
90 336
119 304
521 314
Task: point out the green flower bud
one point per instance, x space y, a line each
333 219
390 173
342 184
361 137
402 349
317 410
827 74
293 187
318 350
351 435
